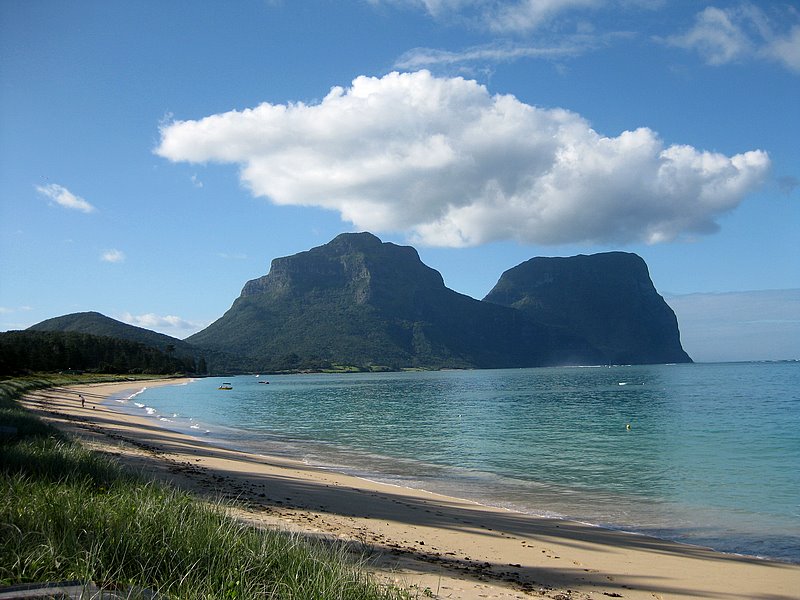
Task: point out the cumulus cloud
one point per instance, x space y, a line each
63 197
453 165
112 256
740 33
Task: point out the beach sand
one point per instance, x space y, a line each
442 547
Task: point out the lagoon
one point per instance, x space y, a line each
710 457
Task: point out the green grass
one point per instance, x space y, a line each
67 513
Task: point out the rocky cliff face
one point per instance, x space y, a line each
359 301
357 264
607 299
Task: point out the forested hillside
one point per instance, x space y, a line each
49 351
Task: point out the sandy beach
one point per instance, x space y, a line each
441 546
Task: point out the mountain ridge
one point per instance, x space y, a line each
360 302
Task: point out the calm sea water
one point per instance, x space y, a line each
712 456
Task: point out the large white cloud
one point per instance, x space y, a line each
445 160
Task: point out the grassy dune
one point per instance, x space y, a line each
67 513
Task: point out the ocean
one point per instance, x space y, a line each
705 454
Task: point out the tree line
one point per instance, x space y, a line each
49 351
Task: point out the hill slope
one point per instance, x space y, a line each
94 323
359 301
606 298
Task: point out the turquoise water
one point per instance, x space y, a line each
712 456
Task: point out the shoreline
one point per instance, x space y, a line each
442 545
712 523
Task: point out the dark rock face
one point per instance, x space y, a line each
359 301
358 264
608 299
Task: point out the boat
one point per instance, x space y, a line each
267 382
225 386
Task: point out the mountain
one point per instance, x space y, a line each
606 298
359 301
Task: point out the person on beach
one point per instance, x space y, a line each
83 400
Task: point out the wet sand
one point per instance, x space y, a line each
441 546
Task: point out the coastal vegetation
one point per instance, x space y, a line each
67 513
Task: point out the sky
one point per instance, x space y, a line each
156 155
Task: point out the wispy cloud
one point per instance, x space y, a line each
492 53
63 197
453 165
500 17
527 15
169 324
112 256
5 310
744 33
788 184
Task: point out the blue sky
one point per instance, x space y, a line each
155 155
